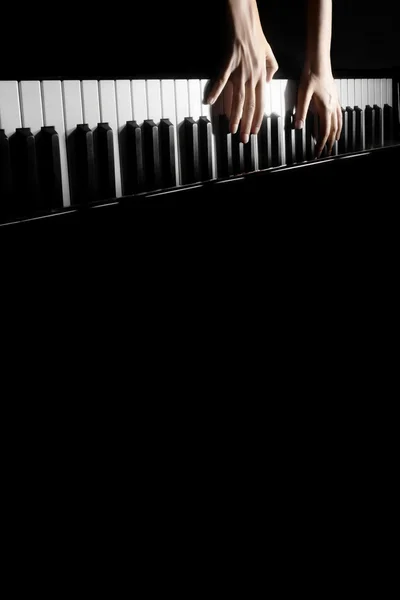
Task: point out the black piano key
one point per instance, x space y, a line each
369 127
224 145
388 122
300 144
351 129
237 154
250 151
49 168
24 167
309 137
104 161
264 144
167 148
290 140
343 141
359 128
191 171
205 148
134 176
5 176
276 140
151 154
82 166
378 136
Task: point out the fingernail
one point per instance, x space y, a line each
257 129
234 128
245 138
210 100
299 124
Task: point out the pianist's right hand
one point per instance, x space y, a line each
249 64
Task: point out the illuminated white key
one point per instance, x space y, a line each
31 105
182 111
267 108
357 93
124 113
207 112
108 114
364 93
371 92
124 102
10 114
194 98
344 93
139 100
288 102
72 105
90 103
168 107
384 92
350 93
389 88
276 96
154 109
53 114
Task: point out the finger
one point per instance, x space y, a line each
270 63
272 67
228 95
304 96
333 132
339 121
237 106
219 85
325 127
248 112
260 106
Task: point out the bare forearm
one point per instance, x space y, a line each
319 34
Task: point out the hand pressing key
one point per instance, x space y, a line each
249 65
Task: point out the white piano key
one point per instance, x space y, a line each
276 96
287 95
379 92
194 98
371 92
10 114
182 111
378 102
31 105
350 93
344 93
139 100
90 103
168 107
267 108
53 114
389 88
108 112
124 102
364 92
357 93
207 112
384 92
72 105
339 90
154 109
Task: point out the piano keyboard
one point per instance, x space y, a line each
72 142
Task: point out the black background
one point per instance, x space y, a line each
180 38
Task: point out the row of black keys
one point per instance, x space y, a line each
30 170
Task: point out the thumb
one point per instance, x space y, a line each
304 96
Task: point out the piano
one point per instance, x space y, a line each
69 146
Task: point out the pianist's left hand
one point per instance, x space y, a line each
250 63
